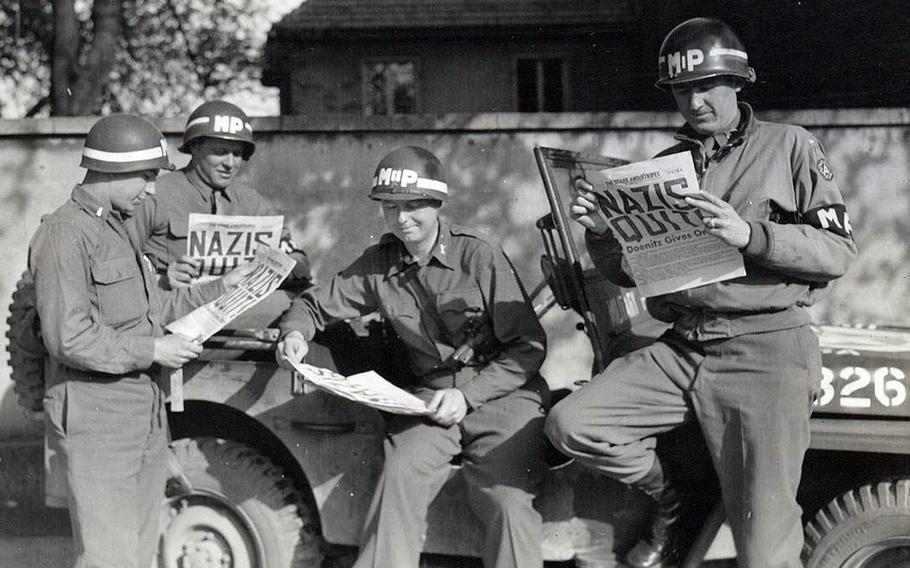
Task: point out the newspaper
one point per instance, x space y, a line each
271 267
223 242
663 238
368 388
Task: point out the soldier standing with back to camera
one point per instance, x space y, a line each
102 319
441 287
740 357
219 137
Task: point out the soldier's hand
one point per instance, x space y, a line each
448 406
584 208
182 272
720 219
175 350
292 347
234 277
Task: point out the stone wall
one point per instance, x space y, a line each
317 171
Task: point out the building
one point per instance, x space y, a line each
379 57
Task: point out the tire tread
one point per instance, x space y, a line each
854 519
295 517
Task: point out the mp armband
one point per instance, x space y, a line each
832 218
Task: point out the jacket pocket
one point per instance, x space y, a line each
177 232
178 228
121 291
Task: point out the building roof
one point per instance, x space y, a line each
338 18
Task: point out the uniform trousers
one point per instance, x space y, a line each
111 438
752 396
503 460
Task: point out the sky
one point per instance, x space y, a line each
264 102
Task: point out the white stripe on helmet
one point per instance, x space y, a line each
715 51
198 121
433 185
119 157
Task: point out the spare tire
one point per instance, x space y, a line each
25 346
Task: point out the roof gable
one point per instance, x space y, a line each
335 17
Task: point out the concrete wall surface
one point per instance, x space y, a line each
317 171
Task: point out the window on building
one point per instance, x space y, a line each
389 87
540 84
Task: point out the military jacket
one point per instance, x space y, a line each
468 283
99 306
778 179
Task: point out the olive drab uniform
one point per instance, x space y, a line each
467 283
740 357
100 312
163 218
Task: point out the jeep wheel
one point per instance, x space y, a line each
242 511
868 527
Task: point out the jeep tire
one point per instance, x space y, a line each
25 347
241 511
867 527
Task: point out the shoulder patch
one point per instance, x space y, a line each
824 168
817 151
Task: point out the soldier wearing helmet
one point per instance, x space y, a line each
475 348
740 357
219 138
102 318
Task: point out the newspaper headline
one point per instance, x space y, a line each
224 242
662 237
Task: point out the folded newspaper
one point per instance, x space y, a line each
270 268
663 238
368 388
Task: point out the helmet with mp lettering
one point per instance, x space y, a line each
122 143
409 173
219 119
700 48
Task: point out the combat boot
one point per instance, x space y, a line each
660 546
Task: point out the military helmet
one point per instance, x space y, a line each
122 143
700 48
219 119
409 173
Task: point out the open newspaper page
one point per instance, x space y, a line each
223 242
663 238
368 388
271 267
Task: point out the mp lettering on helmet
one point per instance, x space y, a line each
389 176
227 123
688 61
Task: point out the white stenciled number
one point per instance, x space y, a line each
827 388
889 387
861 378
